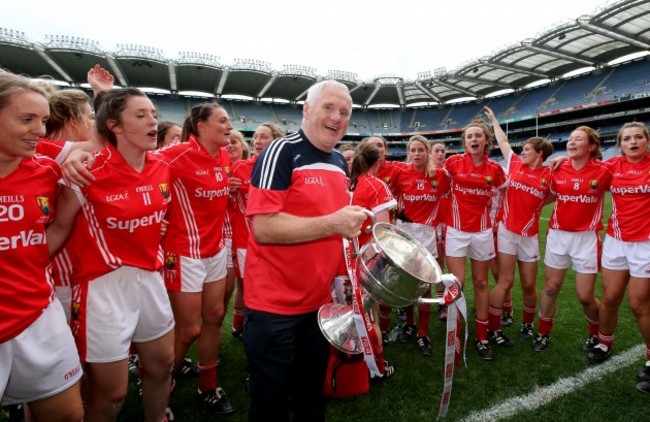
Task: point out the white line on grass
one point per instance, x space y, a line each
542 396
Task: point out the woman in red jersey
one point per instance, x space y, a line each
238 150
419 197
438 157
195 257
40 365
242 172
71 121
518 228
626 248
579 185
118 293
469 227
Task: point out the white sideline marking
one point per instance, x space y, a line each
542 396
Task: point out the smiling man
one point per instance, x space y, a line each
299 205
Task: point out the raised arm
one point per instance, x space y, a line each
502 138
286 229
100 79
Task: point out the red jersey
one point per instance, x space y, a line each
294 177
524 196
237 202
56 150
579 196
373 194
418 195
200 186
27 197
630 189
387 171
471 192
121 217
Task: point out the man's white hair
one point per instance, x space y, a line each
315 91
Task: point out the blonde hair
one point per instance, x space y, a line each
11 84
245 149
421 139
65 104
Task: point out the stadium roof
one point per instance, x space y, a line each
612 32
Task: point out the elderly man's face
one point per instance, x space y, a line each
327 119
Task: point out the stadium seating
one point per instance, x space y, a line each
611 84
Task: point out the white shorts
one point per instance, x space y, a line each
526 249
41 361
190 274
126 305
424 234
64 294
632 256
228 247
478 246
239 262
578 249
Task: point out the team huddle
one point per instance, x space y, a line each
123 241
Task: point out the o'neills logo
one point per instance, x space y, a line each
584 199
12 198
22 240
630 190
528 189
131 225
473 191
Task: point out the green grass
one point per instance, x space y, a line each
414 392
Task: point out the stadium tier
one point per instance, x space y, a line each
603 100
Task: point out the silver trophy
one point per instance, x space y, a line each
393 268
